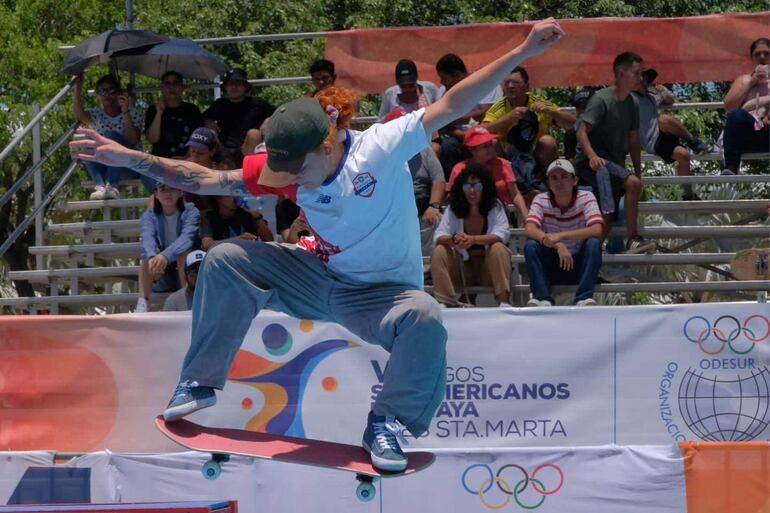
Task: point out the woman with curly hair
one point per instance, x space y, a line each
365 271
471 239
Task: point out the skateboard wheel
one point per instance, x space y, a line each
365 492
211 470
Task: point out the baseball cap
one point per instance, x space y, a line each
563 164
406 72
202 139
295 129
581 97
194 257
477 136
236 74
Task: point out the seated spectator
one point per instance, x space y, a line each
471 240
451 70
564 228
661 134
229 220
231 116
580 102
182 299
323 75
521 119
429 188
747 128
169 230
169 123
116 119
609 129
410 94
482 145
202 149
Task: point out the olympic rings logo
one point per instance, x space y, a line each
514 492
726 330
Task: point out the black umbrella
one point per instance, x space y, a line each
107 44
181 55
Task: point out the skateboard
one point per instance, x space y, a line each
223 442
751 264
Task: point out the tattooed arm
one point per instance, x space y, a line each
180 174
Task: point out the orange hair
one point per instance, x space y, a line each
345 101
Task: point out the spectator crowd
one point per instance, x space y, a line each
500 165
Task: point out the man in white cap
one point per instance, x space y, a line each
564 228
182 299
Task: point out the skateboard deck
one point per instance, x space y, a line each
303 451
751 264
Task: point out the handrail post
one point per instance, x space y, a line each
38 185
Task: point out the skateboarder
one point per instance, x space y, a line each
356 192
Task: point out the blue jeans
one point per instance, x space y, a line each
255 274
102 174
451 154
544 271
740 137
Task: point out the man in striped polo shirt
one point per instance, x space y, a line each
564 228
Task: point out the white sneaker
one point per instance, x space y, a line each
539 302
111 192
505 304
142 306
99 193
586 302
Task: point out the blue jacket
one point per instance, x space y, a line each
153 230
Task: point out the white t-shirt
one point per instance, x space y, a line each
364 218
104 123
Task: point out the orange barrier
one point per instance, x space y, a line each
727 477
694 49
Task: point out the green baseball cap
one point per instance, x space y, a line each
295 129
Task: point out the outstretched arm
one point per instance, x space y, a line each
464 97
180 174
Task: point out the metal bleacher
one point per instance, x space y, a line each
91 265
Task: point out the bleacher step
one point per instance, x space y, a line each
72 206
686 232
43 276
120 228
130 249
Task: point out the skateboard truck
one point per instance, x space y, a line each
213 468
365 491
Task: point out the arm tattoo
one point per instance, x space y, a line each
232 182
179 175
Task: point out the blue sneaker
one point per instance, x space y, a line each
189 397
381 442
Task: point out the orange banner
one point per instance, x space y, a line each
723 477
695 49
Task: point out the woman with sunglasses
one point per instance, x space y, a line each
116 119
471 239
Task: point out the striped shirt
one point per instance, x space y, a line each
549 217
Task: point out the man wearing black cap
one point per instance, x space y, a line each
410 94
234 114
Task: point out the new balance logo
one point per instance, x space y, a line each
323 198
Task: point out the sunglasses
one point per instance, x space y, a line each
107 91
473 187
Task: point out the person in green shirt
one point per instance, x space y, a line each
609 129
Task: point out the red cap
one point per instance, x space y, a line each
394 114
477 136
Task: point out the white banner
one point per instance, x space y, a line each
595 479
560 376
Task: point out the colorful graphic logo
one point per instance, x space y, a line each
727 331
529 492
283 384
726 405
364 185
